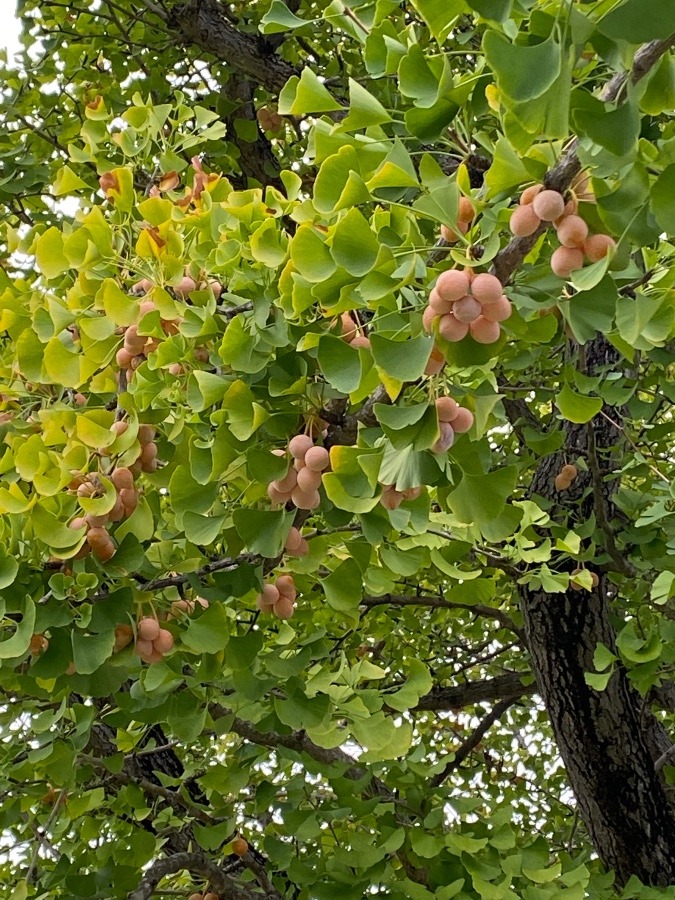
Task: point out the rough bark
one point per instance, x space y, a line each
204 25
607 740
256 158
503 687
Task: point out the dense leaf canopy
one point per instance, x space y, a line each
220 230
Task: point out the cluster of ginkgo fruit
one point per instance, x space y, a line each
98 539
462 302
537 205
137 347
209 895
465 215
563 480
452 419
152 641
278 598
353 333
301 483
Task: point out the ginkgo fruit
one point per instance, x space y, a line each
572 231
548 205
566 260
597 246
524 221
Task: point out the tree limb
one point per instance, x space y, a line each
203 23
472 741
478 609
503 687
198 864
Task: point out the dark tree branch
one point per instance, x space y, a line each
256 158
198 864
503 687
478 609
472 741
203 23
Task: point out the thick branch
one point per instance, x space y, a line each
502 687
198 864
478 609
568 166
472 741
203 24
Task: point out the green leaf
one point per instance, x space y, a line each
440 15
305 94
210 632
90 651
279 18
403 360
354 245
577 407
344 588
522 72
50 255
340 363
18 643
663 588
263 531
616 130
364 110
662 193
639 21
479 498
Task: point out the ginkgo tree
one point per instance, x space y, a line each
336 383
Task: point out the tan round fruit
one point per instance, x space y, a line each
77 523
446 409
360 341
97 537
143 648
391 498
347 327
483 331
465 212
598 246
239 846
530 193
276 495
498 311
570 472
164 641
104 551
122 478
439 306
284 608
124 635
572 231
452 285
451 329
308 480
211 896
288 482
412 493
196 897
119 428
123 358
566 260
286 586
435 362
561 483
299 445
428 317
305 499
548 205
450 235
445 439
129 498
317 459
466 310
146 434
486 288
148 628
293 540
524 221
463 420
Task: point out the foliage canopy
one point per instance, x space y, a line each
216 189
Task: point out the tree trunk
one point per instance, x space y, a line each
607 741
